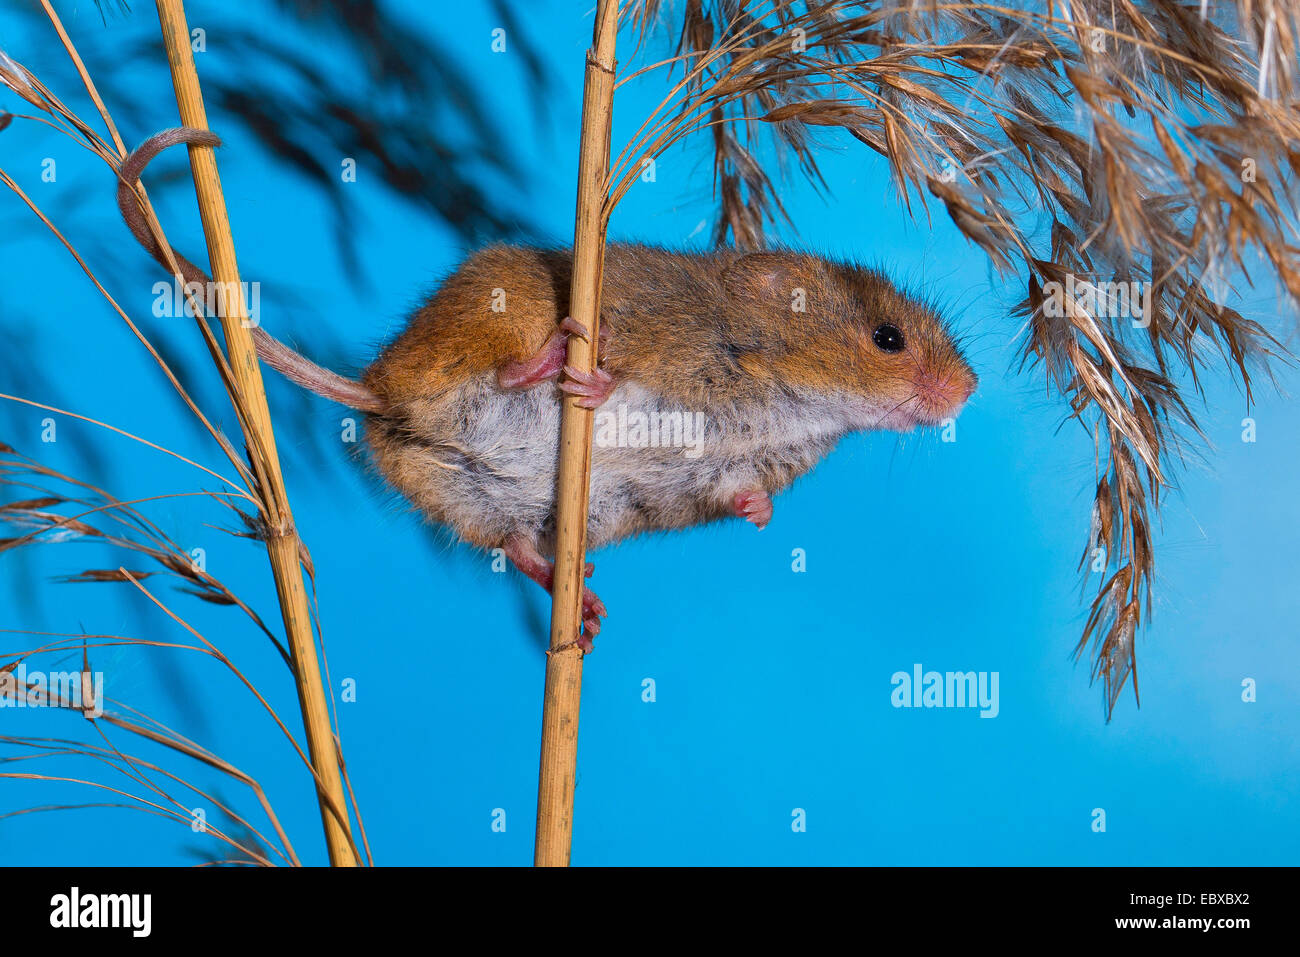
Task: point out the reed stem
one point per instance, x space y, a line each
282 542
563 693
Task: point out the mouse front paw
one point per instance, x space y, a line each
592 388
754 506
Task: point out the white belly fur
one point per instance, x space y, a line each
486 460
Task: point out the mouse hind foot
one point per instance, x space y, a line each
523 554
548 362
542 366
753 506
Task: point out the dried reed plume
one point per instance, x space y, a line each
258 484
62 509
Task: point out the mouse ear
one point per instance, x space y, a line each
762 276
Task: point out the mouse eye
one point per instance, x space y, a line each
888 338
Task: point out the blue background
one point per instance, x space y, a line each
772 687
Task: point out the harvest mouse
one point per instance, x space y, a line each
771 357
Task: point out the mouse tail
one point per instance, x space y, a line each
292 365
296 367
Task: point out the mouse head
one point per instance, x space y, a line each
905 356
851 329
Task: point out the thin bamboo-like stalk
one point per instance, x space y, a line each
282 541
564 659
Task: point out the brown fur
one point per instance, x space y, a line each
702 328
713 332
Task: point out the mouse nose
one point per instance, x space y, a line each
970 381
943 394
